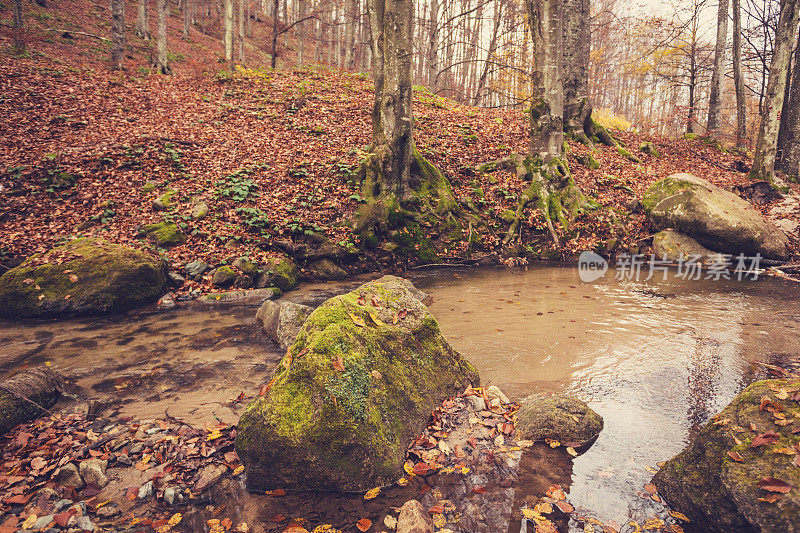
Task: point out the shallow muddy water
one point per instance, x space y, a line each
656 359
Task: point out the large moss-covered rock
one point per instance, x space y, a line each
674 246
82 277
716 218
712 487
561 418
357 385
279 272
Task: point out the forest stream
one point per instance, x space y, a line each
656 359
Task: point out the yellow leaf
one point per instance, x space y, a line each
372 493
28 523
653 523
239 469
402 482
409 467
374 317
543 508
782 394
679 516
215 434
554 444
439 520
571 451
175 519
357 320
465 470
530 514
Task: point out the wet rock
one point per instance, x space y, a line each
246 265
195 269
84 523
247 297
390 522
69 476
62 504
208 476
788 226
175 279
326 269
166 302
493 392
106 511
722 492
279 272
124 459
224 276
282 321
164 234
145 491
326 423
716 218
672 246
85 276
243 281
414 519
477 402
173 495
561 418
93 471
200 211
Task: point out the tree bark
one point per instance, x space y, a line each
241 31
715 96
790 122
738 82
19 39
28 395
274 53
118 32
767 143
187 18
433 48
489 56
547 109
576 42
143 20
162 63
227 36
351 16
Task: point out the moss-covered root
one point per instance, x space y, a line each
627 155
601 135
27 395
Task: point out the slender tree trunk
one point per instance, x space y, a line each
19 39
718 74
433 48
118 32
790 122
692 90
766 146
738 82
241 31
274 60
351 16
227 36
489 56
161 42
301 35
187 18
576 42
143 20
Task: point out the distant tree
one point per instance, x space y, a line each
162 63
187 18
19 39
227 36
766 145
118 32
241 30
717 75
143 20
738 82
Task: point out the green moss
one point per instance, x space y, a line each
282 272
588 161
627 155
649 148
508 215
166 198
662 189
108 278
164 234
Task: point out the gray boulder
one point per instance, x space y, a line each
282 321
671 245
567 420
326 269
716 218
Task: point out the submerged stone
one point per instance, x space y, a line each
358 384
716 480
716 218
674 246
561 418
85 276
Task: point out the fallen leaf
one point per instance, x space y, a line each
735 456
767 437
338 363
357 320
564 507
651 488
772 498
774 485
73 278
364 524
276 492
679 516
372 493
374 317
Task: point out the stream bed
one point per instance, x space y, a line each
656 359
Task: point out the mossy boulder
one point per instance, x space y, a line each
673 246
650 149
164 234
224 276
327 270
358 384
279 272
716 218
85 276
562 418
715 480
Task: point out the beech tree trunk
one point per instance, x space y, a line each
433 48
241 31
118 32
143 20
391 25
351 16
227 35
576 42
489 56
738 82
27 395
187 18
767 144
547 108
789 163
161 43
19 40
715 95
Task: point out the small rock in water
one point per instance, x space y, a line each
495 392
209 475
414 519
106 511
173 495
390 521
175 279
195 268
166 302
94 471
146 490
84 523
61 504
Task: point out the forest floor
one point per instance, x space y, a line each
85 151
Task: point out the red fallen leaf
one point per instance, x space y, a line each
95 453
564 507
276 492
226 523
420 469
775 485
278 518
767 437
132 493
231 457
472 442
364 524
436 509
21 499
37 463
338 363
772 498
460 453
656 498
735 456
479 490
650 488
